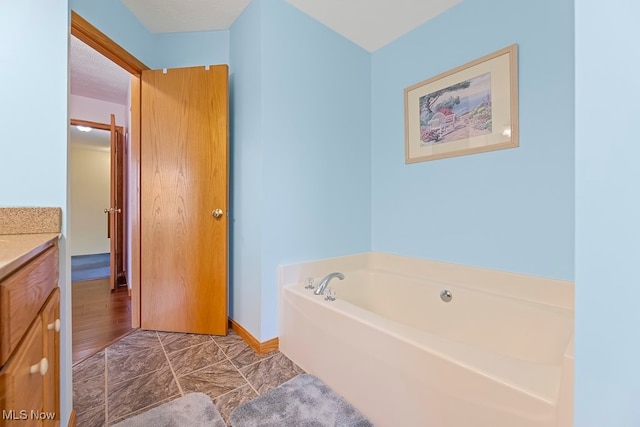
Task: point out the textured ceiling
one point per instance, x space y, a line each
94 76
171 16
370 24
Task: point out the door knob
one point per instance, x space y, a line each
217 213
112 210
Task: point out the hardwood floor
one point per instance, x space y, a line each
99 316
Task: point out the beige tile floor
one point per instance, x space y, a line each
148 368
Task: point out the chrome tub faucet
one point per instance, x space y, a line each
325 281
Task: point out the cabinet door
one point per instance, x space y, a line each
20 389
51 347
22 295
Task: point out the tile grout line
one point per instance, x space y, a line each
144 351
251 364
235 389
184 348
128 415
236 368
145 408
173 372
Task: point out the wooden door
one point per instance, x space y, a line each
184 198
111 232
115 211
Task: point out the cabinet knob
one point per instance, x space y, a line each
54 325
42 367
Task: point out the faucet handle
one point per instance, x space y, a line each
309 283
331 294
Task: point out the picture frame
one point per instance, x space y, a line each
470 109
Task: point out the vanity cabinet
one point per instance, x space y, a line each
29 339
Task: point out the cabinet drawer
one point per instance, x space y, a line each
21 297
20 390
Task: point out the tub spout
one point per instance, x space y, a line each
325 281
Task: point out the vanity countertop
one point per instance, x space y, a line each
15 249
30 220
25 231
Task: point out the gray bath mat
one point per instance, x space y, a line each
193 410
303 401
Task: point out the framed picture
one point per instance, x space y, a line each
470 109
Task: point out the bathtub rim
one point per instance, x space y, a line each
543 290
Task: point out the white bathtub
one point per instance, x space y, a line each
494 356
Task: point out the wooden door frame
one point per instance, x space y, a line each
122 191
94 38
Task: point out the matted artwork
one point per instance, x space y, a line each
470 109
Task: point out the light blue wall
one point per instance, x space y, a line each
305 141
607 374
245 86
510 209
33 108
170 50
174 50
317 140
34 122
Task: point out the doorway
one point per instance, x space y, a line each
200 159
101 306
97 171
101 299
96 40
90 187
